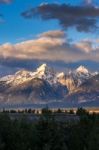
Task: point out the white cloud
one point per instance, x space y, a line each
85 45
52 45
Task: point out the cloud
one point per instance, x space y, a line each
52 46
85 45
33 48
53 34
82 18
10 66
88 2
5 1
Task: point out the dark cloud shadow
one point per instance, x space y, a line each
10 66
82 18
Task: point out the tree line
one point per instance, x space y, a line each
45 110
47 134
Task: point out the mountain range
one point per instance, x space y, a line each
45 85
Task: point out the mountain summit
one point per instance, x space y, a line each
45 72
82 69
45 85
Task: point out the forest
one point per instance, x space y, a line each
49 134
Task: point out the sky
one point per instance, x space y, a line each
61 33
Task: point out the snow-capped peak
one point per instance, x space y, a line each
95 73
46 73
82 69
44 70
43 67
23 73
6 78
60 75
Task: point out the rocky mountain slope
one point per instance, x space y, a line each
46 85
25 87
87 92
74 79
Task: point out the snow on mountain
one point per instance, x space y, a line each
6 78
83 73
75 78
60 75
18 78
82 69
46 84
95 73
61 78
42 72
46 73
23 73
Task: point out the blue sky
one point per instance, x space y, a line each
15 28
34 36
